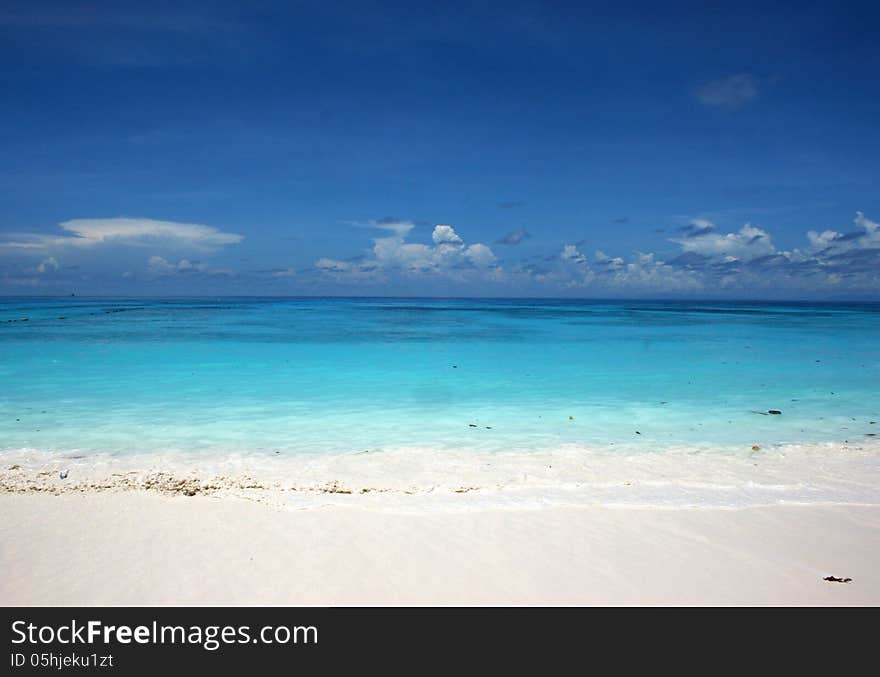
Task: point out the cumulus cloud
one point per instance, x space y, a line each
87 233
830 242
47 265
571 254
746 244
603 259
851 258
731 93
448 256
702 258
480 255
607 274
745 260
446 235
160 266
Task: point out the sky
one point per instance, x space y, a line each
675 150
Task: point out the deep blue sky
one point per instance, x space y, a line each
573 150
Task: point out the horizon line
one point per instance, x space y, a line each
660 299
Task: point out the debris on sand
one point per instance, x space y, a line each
334 488
835 579
63 474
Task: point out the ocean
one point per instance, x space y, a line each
444 403
297 376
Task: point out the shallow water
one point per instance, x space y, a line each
317 376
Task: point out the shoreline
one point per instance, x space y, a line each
567 526
413 479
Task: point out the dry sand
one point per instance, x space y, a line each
127 547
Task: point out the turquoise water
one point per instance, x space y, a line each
291 376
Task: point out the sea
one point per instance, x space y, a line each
308 378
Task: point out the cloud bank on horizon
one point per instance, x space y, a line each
705 261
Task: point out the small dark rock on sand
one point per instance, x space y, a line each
835 579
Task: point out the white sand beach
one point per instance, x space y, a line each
131 548
644 531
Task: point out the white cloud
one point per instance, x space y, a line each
819 241
347 270
480 255
871 227
285 272
732 92
747 244
612 274
160 266
703 224
830 242
446 235
86 233
570 253
47 265
604 259
332 265
448 256
396 226
742 260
